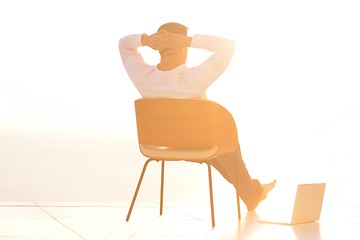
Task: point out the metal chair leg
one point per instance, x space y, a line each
237 193
211 197
238 205
162 187
137 189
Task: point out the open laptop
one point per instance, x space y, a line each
306 206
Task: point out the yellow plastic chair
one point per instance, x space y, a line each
183 129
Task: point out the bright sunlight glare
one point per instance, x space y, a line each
292 86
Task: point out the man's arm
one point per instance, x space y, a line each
133 62
222 49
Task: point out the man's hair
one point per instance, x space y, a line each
174 27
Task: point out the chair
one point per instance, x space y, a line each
183 129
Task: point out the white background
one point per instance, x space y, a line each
67 130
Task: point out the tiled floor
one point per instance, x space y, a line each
100 221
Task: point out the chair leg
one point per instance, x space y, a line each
211 196
238 205
162 187
237 194
137 189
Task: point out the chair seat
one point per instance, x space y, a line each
193 154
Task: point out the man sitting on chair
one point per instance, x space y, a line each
171 78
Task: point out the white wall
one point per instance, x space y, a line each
67 130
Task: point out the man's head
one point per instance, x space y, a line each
176 28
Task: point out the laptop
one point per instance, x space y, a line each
306 207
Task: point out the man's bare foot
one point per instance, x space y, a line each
267 188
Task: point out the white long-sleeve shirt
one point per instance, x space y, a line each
182 81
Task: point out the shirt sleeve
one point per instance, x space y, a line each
210 70
133 62
213 43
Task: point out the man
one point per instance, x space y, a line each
171 78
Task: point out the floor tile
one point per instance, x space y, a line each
31 222
55 221
89 222
17 204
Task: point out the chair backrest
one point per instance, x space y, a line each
185 124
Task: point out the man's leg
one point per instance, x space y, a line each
233 169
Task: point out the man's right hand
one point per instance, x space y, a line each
165 40
156 41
